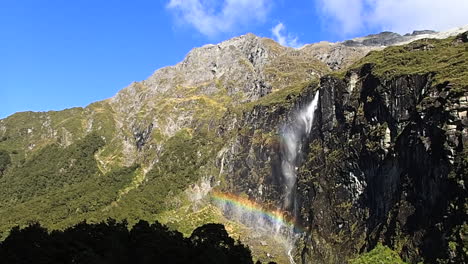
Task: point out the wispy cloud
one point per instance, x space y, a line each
344 16
284 39
348 17
211 17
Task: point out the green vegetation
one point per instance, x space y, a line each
60 186
187 157
71 175
293 68
5 161
181 163
379 255
52 168
446 58
28 132
185 220
284 97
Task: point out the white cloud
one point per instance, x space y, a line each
211 17
285 40
344 16
352 16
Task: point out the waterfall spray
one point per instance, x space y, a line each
280 221
293 135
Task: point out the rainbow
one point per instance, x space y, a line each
274 216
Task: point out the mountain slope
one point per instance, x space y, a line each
386 144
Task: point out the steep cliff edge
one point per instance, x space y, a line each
387 159
388 164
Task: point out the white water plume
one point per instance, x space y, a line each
282 229
291 259
293 136
291 148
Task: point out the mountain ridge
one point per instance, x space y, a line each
420 34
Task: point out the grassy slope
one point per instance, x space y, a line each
59 186
446 58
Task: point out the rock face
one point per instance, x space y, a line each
209 80
410 193
384 160
245 66
381 165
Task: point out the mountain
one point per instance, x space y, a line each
315 154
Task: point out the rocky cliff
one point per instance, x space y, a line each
385 160
375 153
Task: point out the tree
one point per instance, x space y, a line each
112 242
5 160
214 245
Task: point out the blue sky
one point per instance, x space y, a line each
58 54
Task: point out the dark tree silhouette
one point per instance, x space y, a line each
112 242
216 245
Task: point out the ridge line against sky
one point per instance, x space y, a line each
60 54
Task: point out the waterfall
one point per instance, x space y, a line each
292 136
275 223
